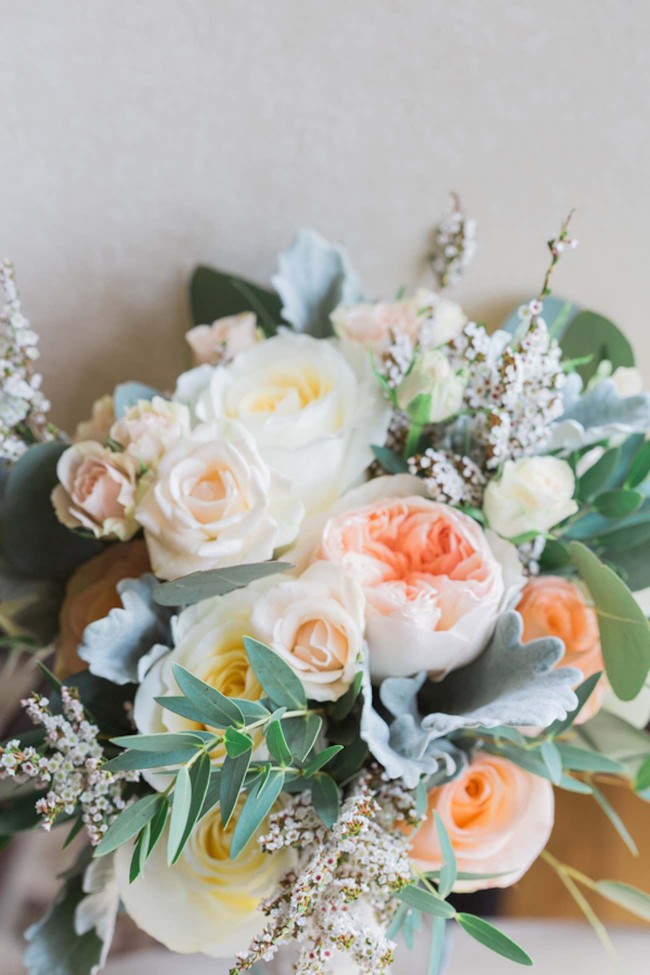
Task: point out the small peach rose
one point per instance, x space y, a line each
224 339
91 593
96 490
374 325
498 817
98 427
553 606
315 624
434 581
213 503
150 427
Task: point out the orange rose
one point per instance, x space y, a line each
553 606
498 818
90 594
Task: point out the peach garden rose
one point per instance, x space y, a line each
553 606
498 817
434 581
223 339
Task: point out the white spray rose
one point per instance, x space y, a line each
150 427
447 322
432 375
312 410
532 495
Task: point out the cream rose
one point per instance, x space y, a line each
224 339
315 624
375 324
215 502
150 427
209 642
434 581
432 375
97 490
205 902
628 381
498 818
447 322
312 411
532 495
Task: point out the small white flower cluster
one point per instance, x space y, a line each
530 554
73 769
340 896
450 478
396 360
21 399
454 245
515 394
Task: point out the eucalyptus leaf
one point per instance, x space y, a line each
277 743
197 586
163 742
618 503
391 462
129 822
54 947
322 759
589 332
132 760
623 628
276 677
183 707
233 774
553 760
596 478
301 734
449 869
237 743
258 805
181 824
640 467
585 760
583 692
326 798
626 896
215 294
313 278
492 938
425 901
220 710
615 820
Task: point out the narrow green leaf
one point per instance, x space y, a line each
130 821
233 773
325 796
221 711
423 900
277 743
237 743
391 462
492 938
596 478
157 825
449 867
196 782
639 468
252 710
341 708
570 784
131 761
184 707
642 778
276 677
212 793
615 820
618 503
320 761
624 630
552 760
585 760
437 948
347 763
164 742
421 798
301 734
583 692
625 895
396 924
140 853
198 586
255 810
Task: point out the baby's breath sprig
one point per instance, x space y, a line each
454 245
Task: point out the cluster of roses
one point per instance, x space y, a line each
262 449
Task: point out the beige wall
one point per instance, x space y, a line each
138 137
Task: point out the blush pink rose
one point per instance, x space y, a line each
375 325
96 490
498 817
553 606
151 427
99 425
224 339
434 581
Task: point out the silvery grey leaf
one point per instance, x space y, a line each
314 277
597 414
113 646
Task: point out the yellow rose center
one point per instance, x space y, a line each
285 392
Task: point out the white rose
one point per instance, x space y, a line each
532 495
376 324
205 902
432 375
312 411
435 583
315 624
447 322
628 381
209 642
150 427
214 503
224 339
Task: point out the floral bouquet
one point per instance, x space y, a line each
319 632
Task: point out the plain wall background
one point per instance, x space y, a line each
139 138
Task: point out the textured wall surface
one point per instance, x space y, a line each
139 138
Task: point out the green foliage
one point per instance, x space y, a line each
276 677
301 733
492 938
449 869
258 804
322 759
214 294
277 743
391 462
197 586
326 798
54 947
219 711
233 775
624 630
618 503
129 823
597 477
425 901
589 332
583 693
237 742
189 795
625 895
